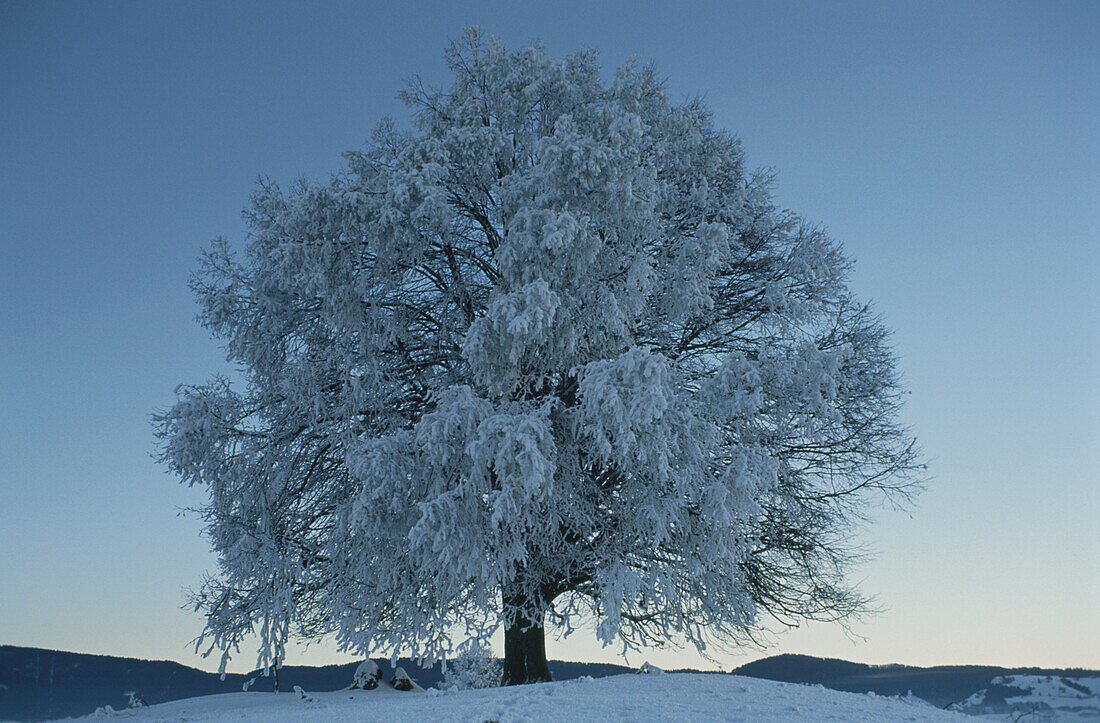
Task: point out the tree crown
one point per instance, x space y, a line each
551 352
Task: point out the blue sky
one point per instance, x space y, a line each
951 147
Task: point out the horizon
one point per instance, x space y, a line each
952 151
412 660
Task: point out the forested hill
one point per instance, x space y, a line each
940 685
38 684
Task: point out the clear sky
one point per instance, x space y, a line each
952 147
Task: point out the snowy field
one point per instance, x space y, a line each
667 697
1051 697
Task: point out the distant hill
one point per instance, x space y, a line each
37 684
941 685
1040 696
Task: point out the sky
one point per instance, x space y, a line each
952 148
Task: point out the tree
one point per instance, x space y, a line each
552 353
473 667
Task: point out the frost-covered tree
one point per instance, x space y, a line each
552 353
473 667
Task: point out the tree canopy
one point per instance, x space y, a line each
550 355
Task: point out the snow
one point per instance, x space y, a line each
1046 687
366 675
1057 698
674 696
1050 697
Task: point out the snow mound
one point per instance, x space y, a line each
669 697
366 675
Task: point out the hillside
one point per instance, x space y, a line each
38 684
668 697
940 685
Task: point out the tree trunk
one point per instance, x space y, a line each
524 644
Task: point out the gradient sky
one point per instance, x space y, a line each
953 148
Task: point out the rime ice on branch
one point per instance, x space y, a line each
553 352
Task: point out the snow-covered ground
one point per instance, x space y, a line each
662 697
1044 697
